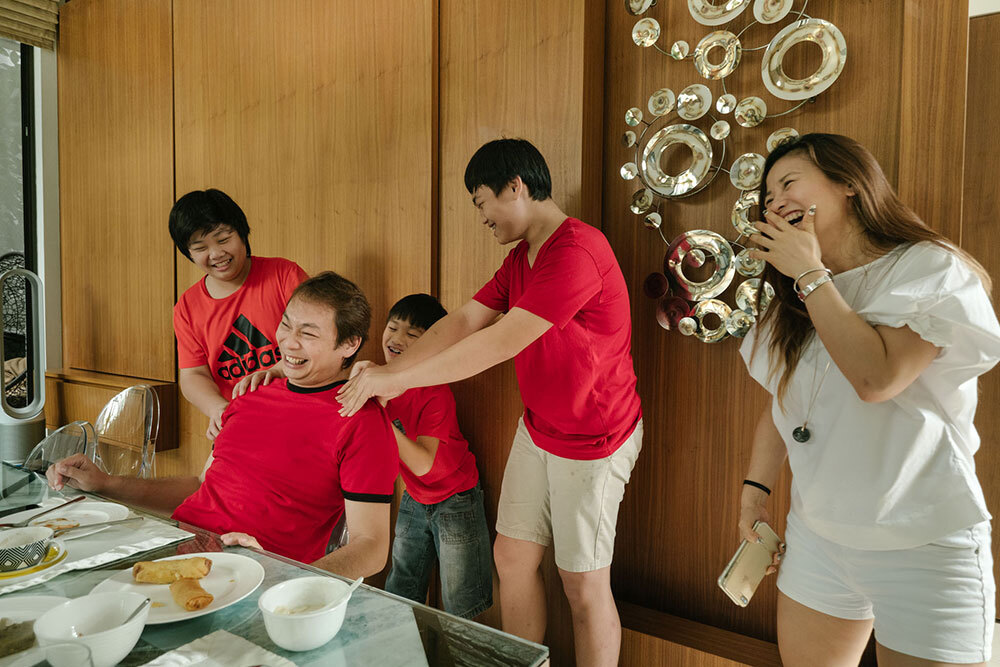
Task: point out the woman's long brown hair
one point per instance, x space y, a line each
884 223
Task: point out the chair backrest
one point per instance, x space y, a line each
127 428
74 438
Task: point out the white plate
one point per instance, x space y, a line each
83 513
232 578
21 608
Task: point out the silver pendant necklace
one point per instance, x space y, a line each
801 433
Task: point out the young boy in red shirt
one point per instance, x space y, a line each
567 324
225 323
441 515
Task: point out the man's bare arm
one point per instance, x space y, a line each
368 549
158 495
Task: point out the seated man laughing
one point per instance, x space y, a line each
286 466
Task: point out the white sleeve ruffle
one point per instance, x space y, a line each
935 293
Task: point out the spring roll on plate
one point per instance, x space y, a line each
189 595
169 571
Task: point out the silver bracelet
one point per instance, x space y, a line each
813 286
806 273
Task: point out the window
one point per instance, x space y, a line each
17 214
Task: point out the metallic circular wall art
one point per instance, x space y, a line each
751 111
656 285
670 310
694 101
782 136
628 139
642 201
703 309
679 50
638 7
685 182
629 171
728 44
823 34
688 326
661 102
712 245
741 212
746 296
747 265
652 221
738 323
726 103
771 11
633 116
709 13
746 172
719 130
645 32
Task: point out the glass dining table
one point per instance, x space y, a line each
379 628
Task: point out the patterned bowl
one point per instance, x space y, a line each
23 547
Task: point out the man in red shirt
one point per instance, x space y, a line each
286 466
567 324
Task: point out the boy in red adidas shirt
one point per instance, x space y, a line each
441 513
224 323
567 324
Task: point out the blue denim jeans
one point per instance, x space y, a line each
453 532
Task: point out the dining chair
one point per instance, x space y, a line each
74 438
127 428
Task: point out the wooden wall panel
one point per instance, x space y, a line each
677 527
981 211
513 69
81 395
932 134
319 126
115 180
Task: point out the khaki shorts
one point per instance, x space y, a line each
548 499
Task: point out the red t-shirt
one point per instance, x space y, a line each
234 336
430 411
284 463
577 380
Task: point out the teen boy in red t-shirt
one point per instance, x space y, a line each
224 323
567 325
286 466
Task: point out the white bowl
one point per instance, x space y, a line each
305 613
23 547
98 621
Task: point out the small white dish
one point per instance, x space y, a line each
232 578
305 613
21 608
97 621
82 514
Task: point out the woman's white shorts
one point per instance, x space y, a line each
934 601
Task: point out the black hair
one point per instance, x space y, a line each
499 162
420 310
204 211
353 314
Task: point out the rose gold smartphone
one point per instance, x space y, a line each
747 567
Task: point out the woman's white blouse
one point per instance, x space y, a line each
899 473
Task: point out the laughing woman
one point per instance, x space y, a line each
871 351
